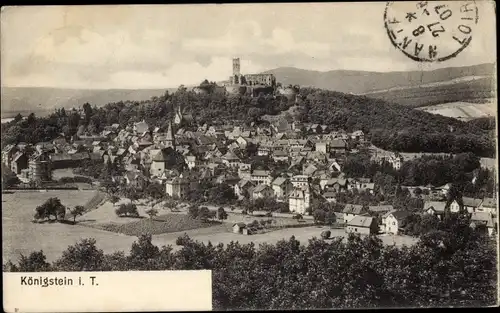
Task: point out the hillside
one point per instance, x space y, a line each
26 100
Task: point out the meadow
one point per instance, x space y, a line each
20 235
464 111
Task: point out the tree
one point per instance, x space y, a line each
83 256
319 216
114 199
193 212
143 253
127 209
204 213
221 213
155 190
152 212
35 262
330 217
51 207
77 211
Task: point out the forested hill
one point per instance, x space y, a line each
389 127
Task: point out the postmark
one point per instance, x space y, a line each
431 31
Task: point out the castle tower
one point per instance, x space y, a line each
236 67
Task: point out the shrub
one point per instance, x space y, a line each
182 240
326 234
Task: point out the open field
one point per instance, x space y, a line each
463 110
471 89
20 235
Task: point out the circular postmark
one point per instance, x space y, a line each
431 31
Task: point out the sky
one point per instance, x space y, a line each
164 46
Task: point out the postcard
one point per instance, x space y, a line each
249 156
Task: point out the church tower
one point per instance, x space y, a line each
170 140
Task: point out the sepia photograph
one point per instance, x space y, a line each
249 156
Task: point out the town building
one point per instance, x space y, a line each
19 162
299 200
352 210
281 187
365 225
489 205
300 181
436 208
261 177
262 191
40 168
469 205
395 221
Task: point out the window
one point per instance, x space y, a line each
355 229
393 223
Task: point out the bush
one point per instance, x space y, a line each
326 234
182 240
129 210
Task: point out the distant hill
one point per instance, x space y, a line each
414 88
25 100
393 86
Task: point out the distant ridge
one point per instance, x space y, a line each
44 99
361 82
390 86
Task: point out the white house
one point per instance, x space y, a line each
300 181
261 177
299 200
470 205
191 161
394 221
322 146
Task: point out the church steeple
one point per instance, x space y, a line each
170 140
